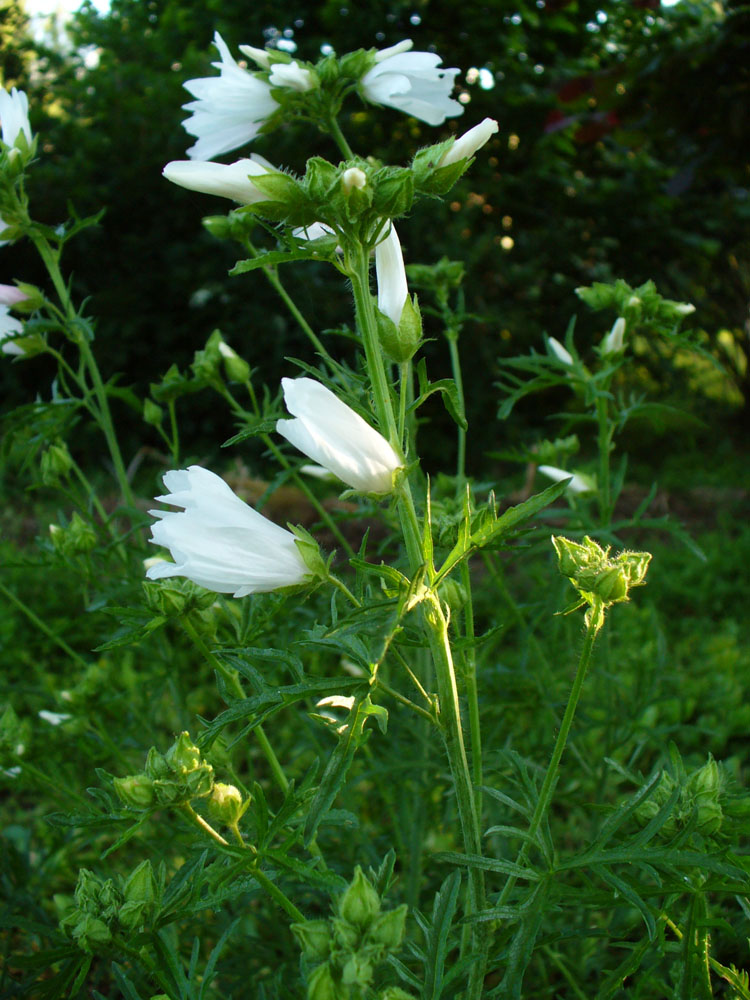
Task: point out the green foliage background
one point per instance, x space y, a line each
614 158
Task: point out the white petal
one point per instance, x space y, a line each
226 180
467 144
391 276
333 435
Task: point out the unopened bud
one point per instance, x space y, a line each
360 903
56 463
353 177
388 928
225 804
237 369
135 791
321 985
314 937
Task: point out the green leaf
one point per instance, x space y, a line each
443 910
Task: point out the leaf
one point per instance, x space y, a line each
447 388
486 864
271 258
627 892
351 738
443 910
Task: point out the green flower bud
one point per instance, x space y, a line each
314 937
357 971
219 226
109 901
345 935
173 385
169 792
395 993
183 756
136 791
360 903
89 932
236 368
710 816
321 179
140 885
226 805
388 928
705 783
156 764
152 413
321 985
56 463
598 577
401 343
393 191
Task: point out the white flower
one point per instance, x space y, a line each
411 82
291 75
219 542
391 276
613 342
227 180
9 325
333 435
577 484
14 116
467 144
230 109
562 353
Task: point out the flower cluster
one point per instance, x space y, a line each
222 544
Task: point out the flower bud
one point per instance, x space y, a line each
353 177
357 971
135 791
360 903
225 804
395 993
710 817
321 985
560 352
400 343
183 756
156 765
388 928
236 368
614 341
56 463
314 937
152 413
140 893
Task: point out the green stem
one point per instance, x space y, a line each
275 282
51 262
596 620
472 693
230 676
604 443
458 380
450 717
276 894
339 138
43 627
203 824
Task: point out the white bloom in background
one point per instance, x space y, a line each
613 342
291 75
227 180
333 435
313 232
14 116
391 276
467 144
54 718
230 108
411 82
684 308
559 351
577 484
219 542
8 326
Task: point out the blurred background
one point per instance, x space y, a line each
622 152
